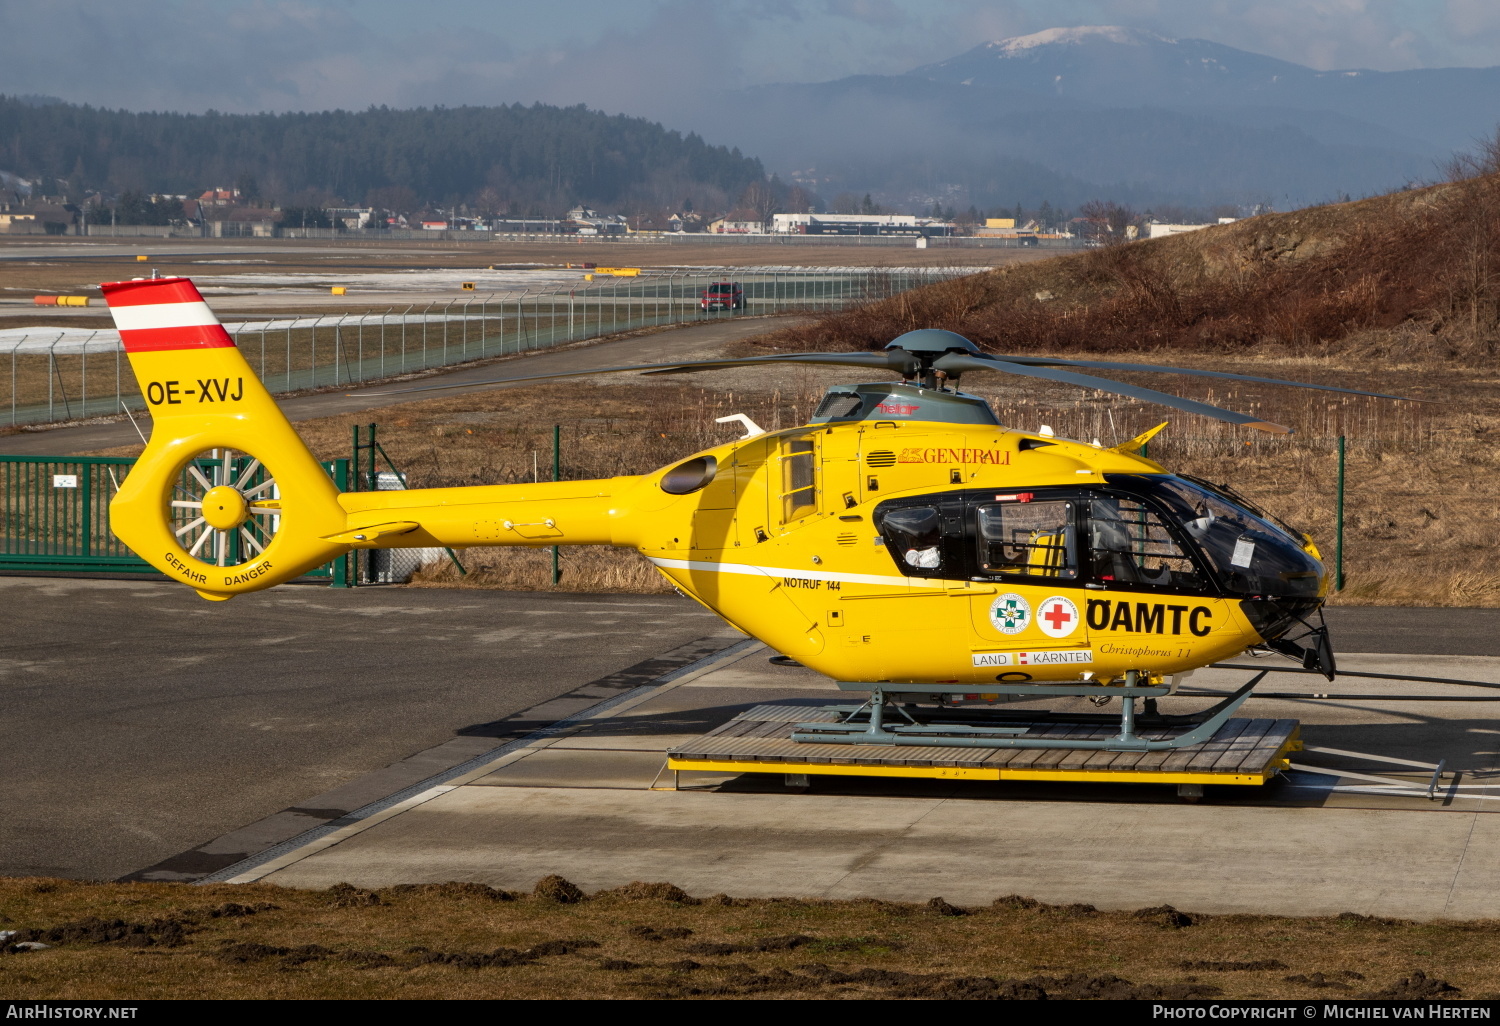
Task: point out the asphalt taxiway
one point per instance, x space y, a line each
140 721
307 736
590 801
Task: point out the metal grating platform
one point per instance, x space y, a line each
1243 751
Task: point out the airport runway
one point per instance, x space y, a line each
165 249
695 342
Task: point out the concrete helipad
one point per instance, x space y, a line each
578 799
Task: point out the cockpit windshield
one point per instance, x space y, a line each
1250 555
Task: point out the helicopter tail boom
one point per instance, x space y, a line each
544 513
227 498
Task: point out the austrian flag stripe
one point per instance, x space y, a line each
159 314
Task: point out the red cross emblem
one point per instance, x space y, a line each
1059 617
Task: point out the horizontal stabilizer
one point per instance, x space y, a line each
367 535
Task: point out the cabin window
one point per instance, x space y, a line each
1035 539
1128 543
914 536
799 479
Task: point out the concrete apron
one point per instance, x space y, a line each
580 802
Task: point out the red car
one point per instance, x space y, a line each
723 295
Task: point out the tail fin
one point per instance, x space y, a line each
219 522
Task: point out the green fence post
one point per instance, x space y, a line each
86 509
341 564
1338 557
556 476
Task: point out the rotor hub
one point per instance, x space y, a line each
224 508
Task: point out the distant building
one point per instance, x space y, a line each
218 198
19 224
241 222
583 221
1005 228
725 226
1160 231
858 224
353 218
527 225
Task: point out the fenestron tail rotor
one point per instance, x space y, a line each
226 507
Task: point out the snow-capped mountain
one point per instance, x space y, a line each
1110 111
1122 67
1110 64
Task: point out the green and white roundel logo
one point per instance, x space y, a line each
1010 613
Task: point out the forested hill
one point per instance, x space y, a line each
528 158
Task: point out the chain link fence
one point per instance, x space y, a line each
60 374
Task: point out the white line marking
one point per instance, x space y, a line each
777 571
295 850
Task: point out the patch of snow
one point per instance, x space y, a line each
1076 35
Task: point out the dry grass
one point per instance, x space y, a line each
1307 278
139 941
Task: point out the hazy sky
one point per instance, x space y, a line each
636 56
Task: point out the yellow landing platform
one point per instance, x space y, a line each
1243 752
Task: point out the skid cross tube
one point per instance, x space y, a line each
1357 673
941 735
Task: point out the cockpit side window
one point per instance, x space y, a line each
1033 539
1251 555
914 536
1129 544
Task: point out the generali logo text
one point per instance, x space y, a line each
917 454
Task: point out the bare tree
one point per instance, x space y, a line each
1472 293
1108 220
761 197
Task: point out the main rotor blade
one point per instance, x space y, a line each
962 362
893 360
1041 361
896 360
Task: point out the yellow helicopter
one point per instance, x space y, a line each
902 541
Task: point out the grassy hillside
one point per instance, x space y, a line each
1395 294
1420 265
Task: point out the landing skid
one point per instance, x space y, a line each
866 724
